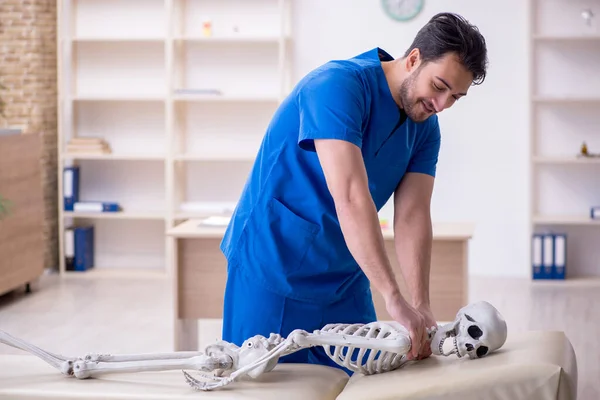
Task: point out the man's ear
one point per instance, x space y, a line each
413 60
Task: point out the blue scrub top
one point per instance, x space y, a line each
284 233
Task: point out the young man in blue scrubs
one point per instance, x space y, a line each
304 244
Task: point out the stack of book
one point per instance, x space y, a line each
88 145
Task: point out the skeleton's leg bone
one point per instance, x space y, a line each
62 363
86 369
141 357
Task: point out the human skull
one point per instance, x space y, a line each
478 330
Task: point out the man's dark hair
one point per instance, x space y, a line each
448 32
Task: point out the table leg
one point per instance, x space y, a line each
186 335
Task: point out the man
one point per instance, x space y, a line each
304 243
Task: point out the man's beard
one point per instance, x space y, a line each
407 103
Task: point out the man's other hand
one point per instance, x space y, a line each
430 323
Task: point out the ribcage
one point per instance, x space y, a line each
362 358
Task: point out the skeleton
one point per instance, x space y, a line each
478 330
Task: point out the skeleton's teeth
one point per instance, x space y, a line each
456 348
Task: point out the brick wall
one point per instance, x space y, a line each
28 73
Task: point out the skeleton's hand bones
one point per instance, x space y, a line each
478 330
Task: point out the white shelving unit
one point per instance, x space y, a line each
565 113
142 75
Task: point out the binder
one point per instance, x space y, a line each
70 187
69 247
548 256
96 206
84 247
560 256
536 255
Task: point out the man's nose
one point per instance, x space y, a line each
440 103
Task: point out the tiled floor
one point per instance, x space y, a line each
76 316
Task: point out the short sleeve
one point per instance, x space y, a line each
425 159
331 106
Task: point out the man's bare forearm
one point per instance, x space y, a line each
360 225
413 240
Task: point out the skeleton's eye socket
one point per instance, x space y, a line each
482 351
467 316
474 332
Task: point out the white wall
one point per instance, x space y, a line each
483 167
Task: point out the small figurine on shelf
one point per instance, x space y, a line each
587 15
207 28
584 152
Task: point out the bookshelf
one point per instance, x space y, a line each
182 92
564 41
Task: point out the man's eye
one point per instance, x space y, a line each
438 88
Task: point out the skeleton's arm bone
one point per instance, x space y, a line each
400 344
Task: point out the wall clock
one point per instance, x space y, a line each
402 10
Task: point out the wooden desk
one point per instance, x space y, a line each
199 272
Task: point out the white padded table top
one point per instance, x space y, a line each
532 366
27 377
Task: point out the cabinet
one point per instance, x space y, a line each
21 210
181 92
565 117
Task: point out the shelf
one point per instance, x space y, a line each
183 114
574 220
117 273
565 160
246 39
108 39
117 97
564 114
113 157
579 281
551 19
137 186
148 215
224 156
201 215
231 17
227 98
239 71
94 18
565 100
567 38
119 69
